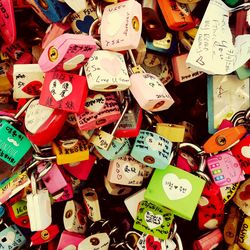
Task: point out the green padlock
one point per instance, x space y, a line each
175 189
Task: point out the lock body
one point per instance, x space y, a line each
96 241
69 239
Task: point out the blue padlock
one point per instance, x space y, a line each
152 149
54 10
118 148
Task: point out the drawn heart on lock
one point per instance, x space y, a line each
154 144
176 188
33 88
60 90
153 220
130 171
9 238
151 60
245 151
114 23
95 104
111 65
151 244
84 25
245 195
73 62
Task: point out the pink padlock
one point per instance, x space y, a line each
67 52
100 110
69 240
121 26
150 94
53 179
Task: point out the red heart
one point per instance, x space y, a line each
32 88
245 195
151 244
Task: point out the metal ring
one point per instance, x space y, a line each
126 236
174 231
93 26
44 158
179 241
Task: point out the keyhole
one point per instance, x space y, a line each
4 239
94 241
221 140
53 54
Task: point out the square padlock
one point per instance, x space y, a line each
121 26
106 71
150 93
152 149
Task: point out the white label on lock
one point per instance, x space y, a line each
60 90
176 188
96 103
153 220
36 115
155 144
130 170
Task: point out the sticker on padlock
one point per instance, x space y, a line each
67 52
70 240
152 149
91 203
98 241
100 110
177 188
242 197
20 208
116 189
82 20
153 219
150 93
39 207
28 80
54 10
62 91
43 123
74 218
12 238
121 26
118 148
106 71
53 179
243 238
225 169
126 171
70 151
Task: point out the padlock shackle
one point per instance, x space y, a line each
44 158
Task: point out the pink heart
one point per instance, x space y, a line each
112 66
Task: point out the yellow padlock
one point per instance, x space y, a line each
172 132
244 238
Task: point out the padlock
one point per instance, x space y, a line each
126 171
158 65
100 110
42 123
121 26
243 238
225 169
52 177
242 153
62 91
12 238
242 197
179 190
91 203
16 49
177 15
39 207
118 148
67 52
74 218
106 71
96 241
229 191
153 219
28 80
152 24
7 23
54 10
70 151
81 21
152 149
69 240
182 73
116 189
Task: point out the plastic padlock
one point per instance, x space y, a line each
126 171
172 132
62 91
96 241
28 80
121 26
243 240
152 149
70 240
106 71
100 110
42 123
74 218
67 52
